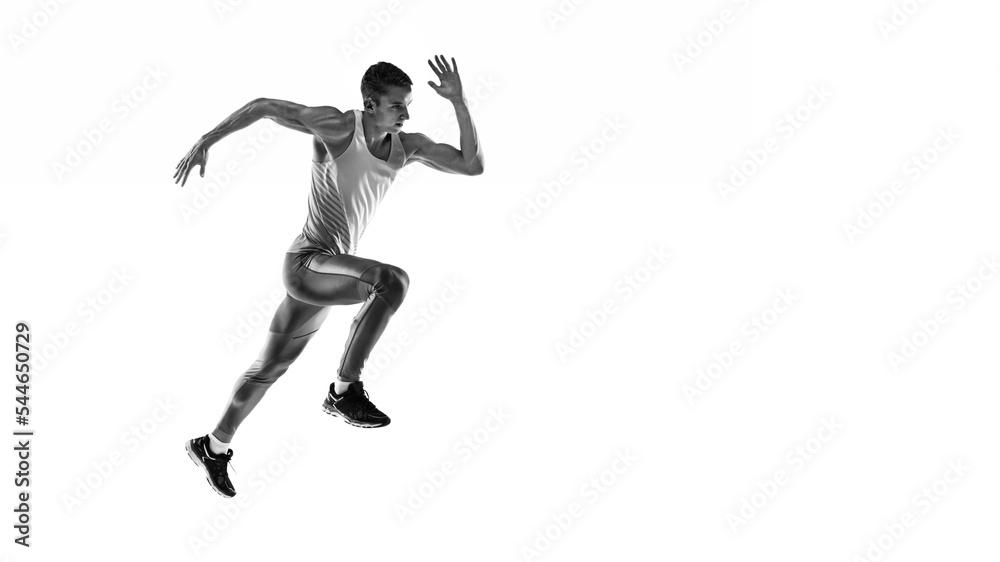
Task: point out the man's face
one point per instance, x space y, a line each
391 112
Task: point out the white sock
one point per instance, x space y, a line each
215 446
340 387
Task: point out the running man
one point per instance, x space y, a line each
356 155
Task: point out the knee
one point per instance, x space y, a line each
391 282
267 372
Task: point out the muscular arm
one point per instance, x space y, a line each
324 122
446 158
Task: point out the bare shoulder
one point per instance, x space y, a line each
413 142
328 119
333 130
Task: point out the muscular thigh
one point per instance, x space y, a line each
297 318
325 280
292 327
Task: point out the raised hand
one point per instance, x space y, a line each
451 85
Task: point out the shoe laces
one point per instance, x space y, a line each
223 460
366 403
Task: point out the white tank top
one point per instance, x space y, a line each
345 192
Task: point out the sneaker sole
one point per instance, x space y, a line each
197 461
336 413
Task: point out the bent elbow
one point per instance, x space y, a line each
261 107
476 168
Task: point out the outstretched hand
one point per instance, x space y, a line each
451 85
197 156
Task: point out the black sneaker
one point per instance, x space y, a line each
354 406
214 465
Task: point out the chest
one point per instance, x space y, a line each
323 151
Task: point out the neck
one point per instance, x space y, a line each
373 136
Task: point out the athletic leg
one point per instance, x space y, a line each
327 280
292 327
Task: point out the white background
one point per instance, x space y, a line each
554 86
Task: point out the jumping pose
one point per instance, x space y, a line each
356 155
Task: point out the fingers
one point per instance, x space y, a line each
434 68
181 167
194 158
182 174
443 65
179 172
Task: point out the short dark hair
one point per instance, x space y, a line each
378 77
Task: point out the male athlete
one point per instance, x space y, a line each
356 155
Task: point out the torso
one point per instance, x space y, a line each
322 151
348 183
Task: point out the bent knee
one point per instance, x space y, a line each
391 282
